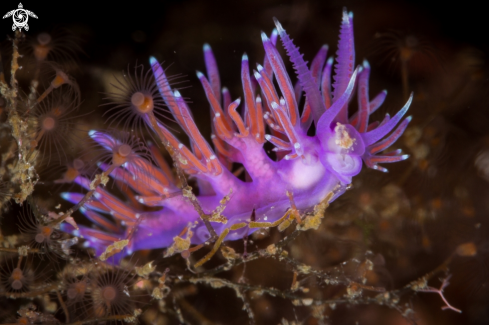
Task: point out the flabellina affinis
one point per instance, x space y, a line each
309 167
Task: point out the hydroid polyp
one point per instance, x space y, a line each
137 98
16 276
55 120
59 45
110 292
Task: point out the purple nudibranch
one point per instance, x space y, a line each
310 166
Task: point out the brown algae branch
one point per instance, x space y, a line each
310 221
217 283
32 293
63 306
19 249
11 93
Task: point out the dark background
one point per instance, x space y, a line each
110 30
114 35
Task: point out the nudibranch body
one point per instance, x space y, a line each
310 167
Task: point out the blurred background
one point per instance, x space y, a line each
411 219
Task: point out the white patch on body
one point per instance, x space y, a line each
304 176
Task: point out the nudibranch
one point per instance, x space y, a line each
309 167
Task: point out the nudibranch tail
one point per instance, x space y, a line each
309 167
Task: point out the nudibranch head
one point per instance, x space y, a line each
342 149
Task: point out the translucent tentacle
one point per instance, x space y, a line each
330 115
372 161
221 129
151 181
212 71
118 208
373 106
377 101
249 97
388 159
128 179
363 101
213 100
97 239
188 160
166 91
154 201
266 86
226 97
283 79
160 161
318 63
316 67
278 143
220 146
345 57
308 82
115 206
378 133
94 205
326 83
306 117
100 220
373 125
260 136
386 119
193 131
273 124
384 144
243 130
266 63
288 127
